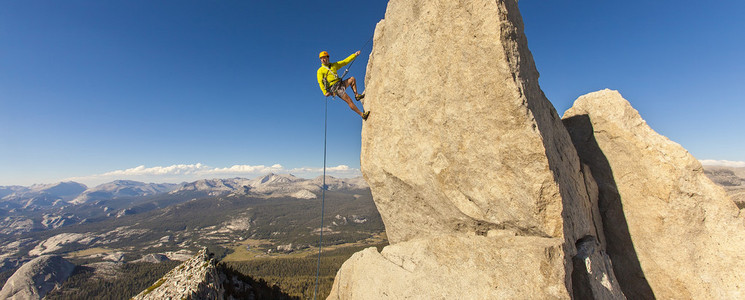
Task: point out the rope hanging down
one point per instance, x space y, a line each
323 185
323 192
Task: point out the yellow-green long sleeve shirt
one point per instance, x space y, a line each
329 72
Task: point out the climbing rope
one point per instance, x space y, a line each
323 193
355 59
323 186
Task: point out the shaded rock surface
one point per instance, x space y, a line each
462 145
37 277
671 232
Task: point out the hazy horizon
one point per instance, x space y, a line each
177 174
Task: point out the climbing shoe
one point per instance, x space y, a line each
365 114
359 97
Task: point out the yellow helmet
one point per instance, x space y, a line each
322 54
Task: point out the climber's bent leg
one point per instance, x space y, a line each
343 95
353 83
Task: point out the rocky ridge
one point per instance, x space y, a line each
201 277
196 278
36 278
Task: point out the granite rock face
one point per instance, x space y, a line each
37 277
462 147
671 232
455 126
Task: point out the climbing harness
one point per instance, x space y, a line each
332 88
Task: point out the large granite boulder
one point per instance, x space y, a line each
456 266
671 233
37 277
463 151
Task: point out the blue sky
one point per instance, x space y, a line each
173 90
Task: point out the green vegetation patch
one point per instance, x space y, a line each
296 276
130 281
4 275
154 286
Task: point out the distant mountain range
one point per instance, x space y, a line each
40 194
274 185
73 193
123 188
103 229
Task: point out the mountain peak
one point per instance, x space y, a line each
272 178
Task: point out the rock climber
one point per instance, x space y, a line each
332 85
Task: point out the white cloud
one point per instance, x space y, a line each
246 169
192 172
723 163
337 169
173 170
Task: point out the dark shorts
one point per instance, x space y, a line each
338 88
